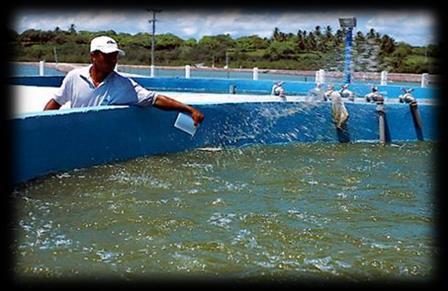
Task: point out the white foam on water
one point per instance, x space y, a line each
221 219
210 149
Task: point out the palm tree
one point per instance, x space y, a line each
276 34
72 29
371 33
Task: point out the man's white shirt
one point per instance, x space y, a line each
78 89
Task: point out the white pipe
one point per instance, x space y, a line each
383 78
41 68
321 76
255 74
425 80
187 71
152 71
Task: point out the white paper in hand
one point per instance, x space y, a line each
185 123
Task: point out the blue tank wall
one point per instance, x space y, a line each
61 140
243 86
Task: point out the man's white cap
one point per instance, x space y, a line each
105 44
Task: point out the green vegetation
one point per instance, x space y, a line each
303 50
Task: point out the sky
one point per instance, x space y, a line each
416 27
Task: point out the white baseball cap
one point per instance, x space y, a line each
105 44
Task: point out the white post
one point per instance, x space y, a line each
425 80
187 71
383 78
255 74
317 78
321 76
41 68
152 71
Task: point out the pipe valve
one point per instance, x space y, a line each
407 96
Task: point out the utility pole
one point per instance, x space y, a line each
153 21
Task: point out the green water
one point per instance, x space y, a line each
353 212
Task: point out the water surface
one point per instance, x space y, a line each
352 212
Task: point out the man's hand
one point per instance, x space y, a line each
52 105
197 116
166 103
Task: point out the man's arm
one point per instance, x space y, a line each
167 103
52 105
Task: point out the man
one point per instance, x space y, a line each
99 84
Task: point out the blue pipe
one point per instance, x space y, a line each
348 56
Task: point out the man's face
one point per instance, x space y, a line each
104 62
